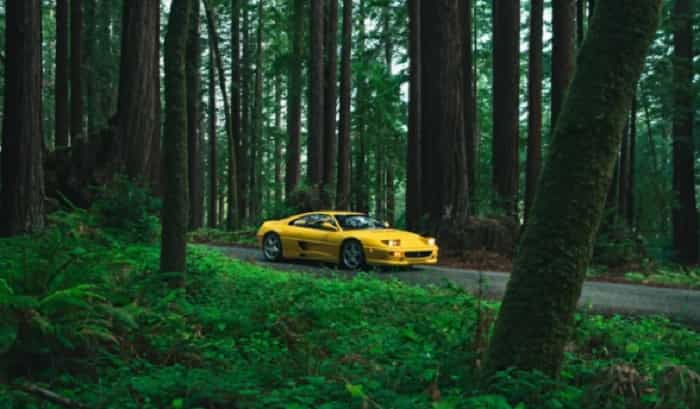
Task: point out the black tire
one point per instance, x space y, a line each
272 247
352 255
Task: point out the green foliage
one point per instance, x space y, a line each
104 330
128 208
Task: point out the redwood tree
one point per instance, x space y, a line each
413 156
330 140
138 107
194 138
316 97
61 103
534 87
22 187
213 158
344 144
506 80
76 72
173 256
685 215
563 52
536 318
292 173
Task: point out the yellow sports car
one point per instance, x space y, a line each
352 240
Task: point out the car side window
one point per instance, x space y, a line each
313 221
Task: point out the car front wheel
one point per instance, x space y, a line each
272 247
352 255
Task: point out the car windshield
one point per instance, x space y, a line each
358 222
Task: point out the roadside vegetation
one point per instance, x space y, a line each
85 314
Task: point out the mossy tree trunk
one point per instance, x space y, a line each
535 320
563 53
61 101
213 220
316 97
76 72
330 142
173 256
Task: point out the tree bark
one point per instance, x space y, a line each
62 102
278 136
563 52
139 88
413 155
213 158
194 138
506 74
233 220
95 121
173 256
330 142
22 187
76 71
580 21
445 186
316 98
536 317
470 125
344 145
293 167
685 215
534 119
247 149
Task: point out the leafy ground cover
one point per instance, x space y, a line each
84 313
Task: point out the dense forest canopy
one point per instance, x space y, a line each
531 136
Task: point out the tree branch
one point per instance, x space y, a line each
49 396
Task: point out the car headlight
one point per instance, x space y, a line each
392 243
430 241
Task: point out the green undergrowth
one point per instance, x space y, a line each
85 313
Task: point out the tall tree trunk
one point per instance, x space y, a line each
22 187
76 72
506 79
344 145
62 102
360 171
444 187
470 125
213 158
296 34
194 138
388 201
330 142
257 130
631 184
534 119
278 157
247 149
316 98
173 256
536 317
233 220
685 215
139 89
155 157
413 156
94 122
235 138
580 21
563 52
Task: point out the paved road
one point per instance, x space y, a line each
600 297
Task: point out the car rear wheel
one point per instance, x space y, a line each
272 247
352 255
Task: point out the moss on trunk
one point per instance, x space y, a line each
536 317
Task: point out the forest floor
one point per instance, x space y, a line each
100 328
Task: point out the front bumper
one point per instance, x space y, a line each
402 257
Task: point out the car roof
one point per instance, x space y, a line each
330 212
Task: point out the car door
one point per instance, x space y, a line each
308 238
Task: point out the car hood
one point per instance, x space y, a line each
408 239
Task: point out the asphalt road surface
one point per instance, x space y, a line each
600 297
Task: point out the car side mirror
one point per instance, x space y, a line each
329 226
